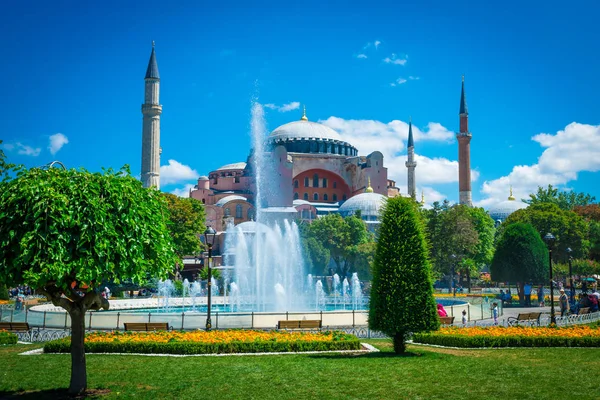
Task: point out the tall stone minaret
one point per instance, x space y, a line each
151 109
411 163
464 151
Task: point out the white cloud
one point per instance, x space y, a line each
568 152
376 44
57 141
361 56
184 191
27 150
294 105
400 81
8 146
176 172
414 78
393 59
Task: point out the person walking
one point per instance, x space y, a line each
564 303
495 312
527 292
540 294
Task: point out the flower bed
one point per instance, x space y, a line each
8 338
519 336
201 342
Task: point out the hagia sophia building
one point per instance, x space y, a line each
315 172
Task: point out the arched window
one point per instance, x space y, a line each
250 214
324 182
334 197
296 184
227 212
316 180
334 184
305 195
296 195
306 181
203 201
238 211
325 197
316 196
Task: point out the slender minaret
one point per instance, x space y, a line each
411 163
151 109
464 151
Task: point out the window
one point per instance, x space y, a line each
250 214
344 197
316 180
296 195
227 212
334 197
325 197
316 196
305 195
324 182
335 185
236 179
296 184
306 181
203 201
238 211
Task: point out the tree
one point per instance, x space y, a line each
64 231
521 256
569 228
486 230
564 200
402 292
317 256
591 213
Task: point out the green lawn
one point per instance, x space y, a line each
427 373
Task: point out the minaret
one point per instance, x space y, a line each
411 163
151 109
464 151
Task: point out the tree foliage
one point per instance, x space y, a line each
186 224
402 291
564 200
521 255
63 232
591 213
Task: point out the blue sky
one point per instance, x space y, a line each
77 69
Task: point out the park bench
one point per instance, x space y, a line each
525 317
146 327
300 324
446 320
16 327
584 310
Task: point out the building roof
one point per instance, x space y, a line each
238 165
152 71
411 142
203 178
369 204
304 129
227 199
463 99
503 209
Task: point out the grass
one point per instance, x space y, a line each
426 373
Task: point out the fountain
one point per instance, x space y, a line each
357 296
319 295
165 291
336 288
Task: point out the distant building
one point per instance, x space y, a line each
499 212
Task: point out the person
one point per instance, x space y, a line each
495 312
540 294
564 303
464 317
18 302
527 292
593 301
441 311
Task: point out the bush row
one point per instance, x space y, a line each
8 338
504 341
64 346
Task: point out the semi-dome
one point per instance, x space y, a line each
502 210
227 199
238 165
304 129
369 204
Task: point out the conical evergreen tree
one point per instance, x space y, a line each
402 290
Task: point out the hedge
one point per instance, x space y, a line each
504 341
64 346
8 338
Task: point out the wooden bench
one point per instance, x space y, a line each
16 327
446 320
146 327
525 317
584 310
300 324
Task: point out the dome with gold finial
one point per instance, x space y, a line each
368 203
502 210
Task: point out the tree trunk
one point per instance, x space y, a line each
399 344
78 370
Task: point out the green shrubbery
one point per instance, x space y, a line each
503 341
3 292
8 338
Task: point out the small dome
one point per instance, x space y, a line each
238 165
227 199
502 210
369 204
203 178
304 129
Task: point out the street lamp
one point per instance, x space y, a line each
569 251
549 239
209 239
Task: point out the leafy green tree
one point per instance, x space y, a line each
569 228
564 200
591 213
63 232
402 292
186 224
521 256
3 292
317 256
486 230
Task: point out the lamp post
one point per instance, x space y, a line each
549 239
209 239
572 294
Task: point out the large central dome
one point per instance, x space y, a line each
304 129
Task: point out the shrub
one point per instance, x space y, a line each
3 292
8 338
